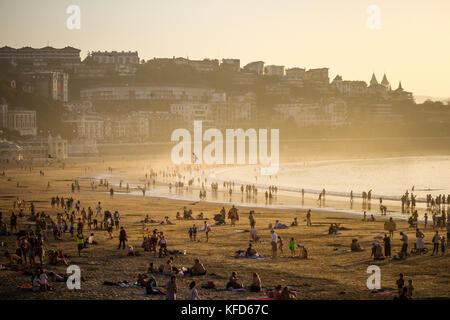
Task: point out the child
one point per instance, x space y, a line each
443 245
292 247
191 232
280 244
409 289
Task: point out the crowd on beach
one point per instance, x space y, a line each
80 223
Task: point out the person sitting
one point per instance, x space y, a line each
197 269
302 252
131 252
151 269
167 269
294 223
275 294
256 285
188 214
200 216
287 294
250 252
377 251
14 259
254 235
141 279
150 287
355 246
179 217
279 225
91 240
233 282
333 229
372 218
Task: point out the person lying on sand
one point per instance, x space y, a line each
166 221
279 225
197 269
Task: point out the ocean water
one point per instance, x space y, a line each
388 178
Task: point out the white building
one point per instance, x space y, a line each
351 88
87 126
231 64
255 67
115 57
23 121
333 114
46 148
149 93
272 70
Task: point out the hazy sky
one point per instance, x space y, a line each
412 45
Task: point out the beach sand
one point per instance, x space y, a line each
326 274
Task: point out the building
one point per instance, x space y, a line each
23 121
131 128
231 65
272 70
86 126
3 114
296 73
65 57
115 57
9 151
376 88
45 148
400 94
205 65
50 84
329 114
256 67
349 88
317 78
148 93
161 124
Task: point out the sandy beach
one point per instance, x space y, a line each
330 272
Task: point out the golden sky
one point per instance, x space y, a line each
411 45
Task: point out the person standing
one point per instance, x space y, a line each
400 284
117 219
80 242
292 247
404 239
387 245
252 219
308 218
207 230
171 288
122 238
274 243
426 219
436 242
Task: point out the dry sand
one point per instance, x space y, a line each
327 274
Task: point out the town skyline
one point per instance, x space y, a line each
253 32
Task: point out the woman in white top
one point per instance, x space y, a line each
191 293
